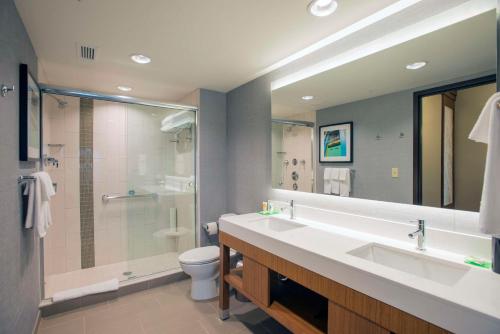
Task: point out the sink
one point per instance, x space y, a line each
424 266
276 224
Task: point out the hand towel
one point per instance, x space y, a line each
327 182
345 182
487 130
38 213
335 181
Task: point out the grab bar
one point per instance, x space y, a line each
107 198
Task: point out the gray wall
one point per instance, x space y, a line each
212 142
249 145
19 249
387 116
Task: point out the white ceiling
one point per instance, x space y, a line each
215 44
459 50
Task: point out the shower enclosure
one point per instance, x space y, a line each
292 159
126 189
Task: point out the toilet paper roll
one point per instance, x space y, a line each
211 228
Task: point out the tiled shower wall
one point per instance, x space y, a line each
62 243
129 153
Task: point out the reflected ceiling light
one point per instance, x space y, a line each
140 59
416 65
124 88
349 30
307 97
322 8
443 19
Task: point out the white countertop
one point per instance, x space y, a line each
472 305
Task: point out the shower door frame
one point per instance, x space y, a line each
65 91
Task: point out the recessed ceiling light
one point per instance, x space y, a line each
307 97
322 7
140 59
416 65
124 88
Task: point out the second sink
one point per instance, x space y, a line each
424 266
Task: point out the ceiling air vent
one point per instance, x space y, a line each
86 53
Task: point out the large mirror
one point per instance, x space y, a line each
392 126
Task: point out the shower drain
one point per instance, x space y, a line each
127 273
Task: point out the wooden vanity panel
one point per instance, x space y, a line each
370 309
343 321
224 270
256 280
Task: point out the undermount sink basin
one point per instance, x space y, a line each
420 265
277 225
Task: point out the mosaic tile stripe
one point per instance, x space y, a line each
87 183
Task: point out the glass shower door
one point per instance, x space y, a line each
160 212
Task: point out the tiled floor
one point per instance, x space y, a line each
167 309
140 267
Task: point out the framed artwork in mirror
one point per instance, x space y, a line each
335 142
29 116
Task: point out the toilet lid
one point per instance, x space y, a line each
200 255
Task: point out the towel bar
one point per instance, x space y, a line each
25 178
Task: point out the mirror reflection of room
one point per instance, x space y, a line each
394 125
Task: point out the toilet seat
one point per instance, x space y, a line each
201 255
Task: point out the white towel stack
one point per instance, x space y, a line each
38 212
337 181
487 130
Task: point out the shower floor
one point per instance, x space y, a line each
133 269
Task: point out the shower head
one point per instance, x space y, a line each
61 104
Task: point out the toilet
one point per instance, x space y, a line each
202 264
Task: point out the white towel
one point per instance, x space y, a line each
327 182
335 181
111 285
487 130
345 182
38 213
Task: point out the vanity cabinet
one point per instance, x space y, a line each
307 302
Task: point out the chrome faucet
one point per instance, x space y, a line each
420 234
292 210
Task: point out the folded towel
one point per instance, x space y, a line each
327 182
487 130
335 173
345 182
111 285
38 213
343 173
335 181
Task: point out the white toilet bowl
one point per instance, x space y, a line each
202 264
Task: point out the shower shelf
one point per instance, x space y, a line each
55 145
